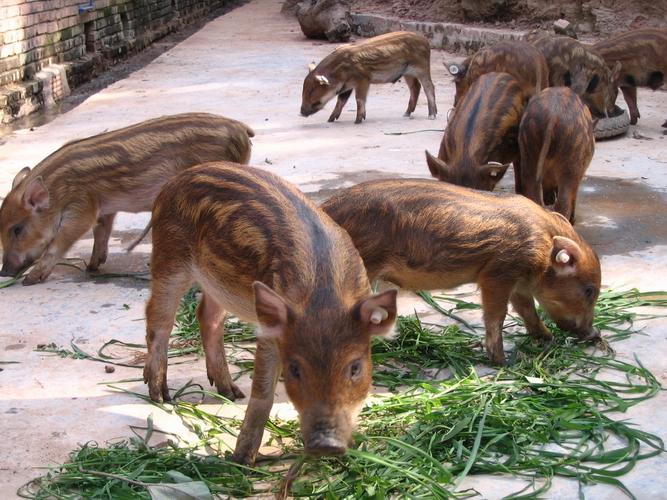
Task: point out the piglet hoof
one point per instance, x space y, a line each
432 117
157 386
407 114
229 390
95 263
243 458
497 358
35 276
542 334
546 340
158 393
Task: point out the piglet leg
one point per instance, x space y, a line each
101 234
73 226
415 88
265 378
565 203
495 296
630 96
360 94
429 90
524 305
340 103
211 324
166 292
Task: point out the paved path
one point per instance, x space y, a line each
250 64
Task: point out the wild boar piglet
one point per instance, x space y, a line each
575 65
556 144
353 67
262 251
84 183
515 57
480 140
425 235
642 55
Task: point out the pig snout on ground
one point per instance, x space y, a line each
518 58
556 145
84 183
354 67
642 54
424 235
262 251
481 137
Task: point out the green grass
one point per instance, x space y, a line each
550 413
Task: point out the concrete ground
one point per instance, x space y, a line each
249 65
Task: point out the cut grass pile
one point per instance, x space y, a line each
551 412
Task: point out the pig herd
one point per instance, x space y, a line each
261 250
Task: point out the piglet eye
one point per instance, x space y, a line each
17 230
355 368
590 292
294 370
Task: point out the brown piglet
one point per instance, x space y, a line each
515 57
642 54
556 144
382 59
575 65
261 250
85 182
481 137
425 235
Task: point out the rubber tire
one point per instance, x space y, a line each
613 126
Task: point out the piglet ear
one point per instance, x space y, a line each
323 80
496 170
565 255
20 176
36 196
311 66
272 312
437 167
378 313
456 70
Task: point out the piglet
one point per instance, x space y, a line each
425 235
261 250
84 183
642 55
381 59
575 65
515 57
480 140
556 144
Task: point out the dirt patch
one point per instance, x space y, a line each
604 16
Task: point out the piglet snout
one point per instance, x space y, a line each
592 334
325 443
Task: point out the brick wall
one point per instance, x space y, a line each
36 34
